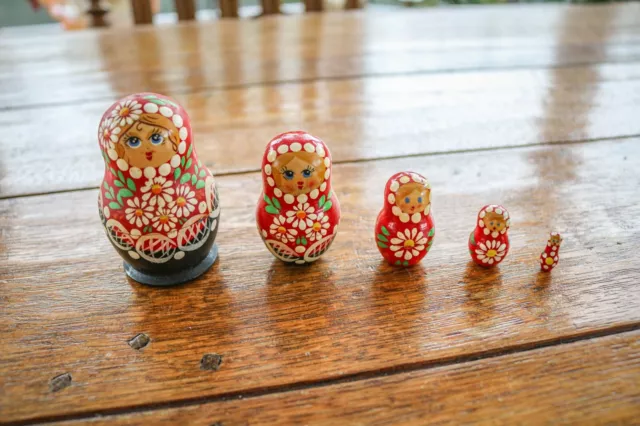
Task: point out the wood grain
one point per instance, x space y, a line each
591 382
66 306
223 54
55 148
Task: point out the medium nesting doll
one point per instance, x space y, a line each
404 228
550 256
158 203
489 243
297 213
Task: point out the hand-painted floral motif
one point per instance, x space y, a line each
158 203
298 213
550 256
489 242
404 228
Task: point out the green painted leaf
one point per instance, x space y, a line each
383 245
121 176
385 231
398 262
405 263
202 173
196 169
131 184
303 240
472 238
113 171
157 101
327 205
182 161
321 201
382 238
123 193
108 196
185 177
118 183
271 210
297 240
330 194
114 205
106 185
276 203
176 174
194 178
189 162
200 184
267 200
432 232
190 151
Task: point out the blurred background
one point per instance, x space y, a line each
71 13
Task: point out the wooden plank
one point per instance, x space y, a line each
55 148
66 306
187 58
588 382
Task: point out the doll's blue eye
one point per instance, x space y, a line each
288 174
157 139
420 199
133 142
407 200
306 173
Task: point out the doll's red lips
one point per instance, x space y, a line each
300 185
149 155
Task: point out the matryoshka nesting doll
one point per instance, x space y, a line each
159 205
298 212
489 242
404 228
550 256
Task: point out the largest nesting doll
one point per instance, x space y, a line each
158 203
298 212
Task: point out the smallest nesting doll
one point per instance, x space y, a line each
489 242
404 229
549 257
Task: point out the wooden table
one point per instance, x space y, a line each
535 107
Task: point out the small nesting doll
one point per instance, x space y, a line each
489 243
404 229
158 204
297 213
550 256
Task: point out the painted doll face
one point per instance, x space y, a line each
555 240
298 173
412 198
149 142
494 221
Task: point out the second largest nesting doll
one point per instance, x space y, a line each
297 213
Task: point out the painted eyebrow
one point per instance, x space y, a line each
154 131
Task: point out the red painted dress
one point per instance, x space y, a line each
550 256
404 228
298 212
157 201
489 242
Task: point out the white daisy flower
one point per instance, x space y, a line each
165 219
158 191
301 216
492 251
139 212
127 112
185 201
108 132
280 231
319 228
408 244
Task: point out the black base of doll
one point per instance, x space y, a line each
175 278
